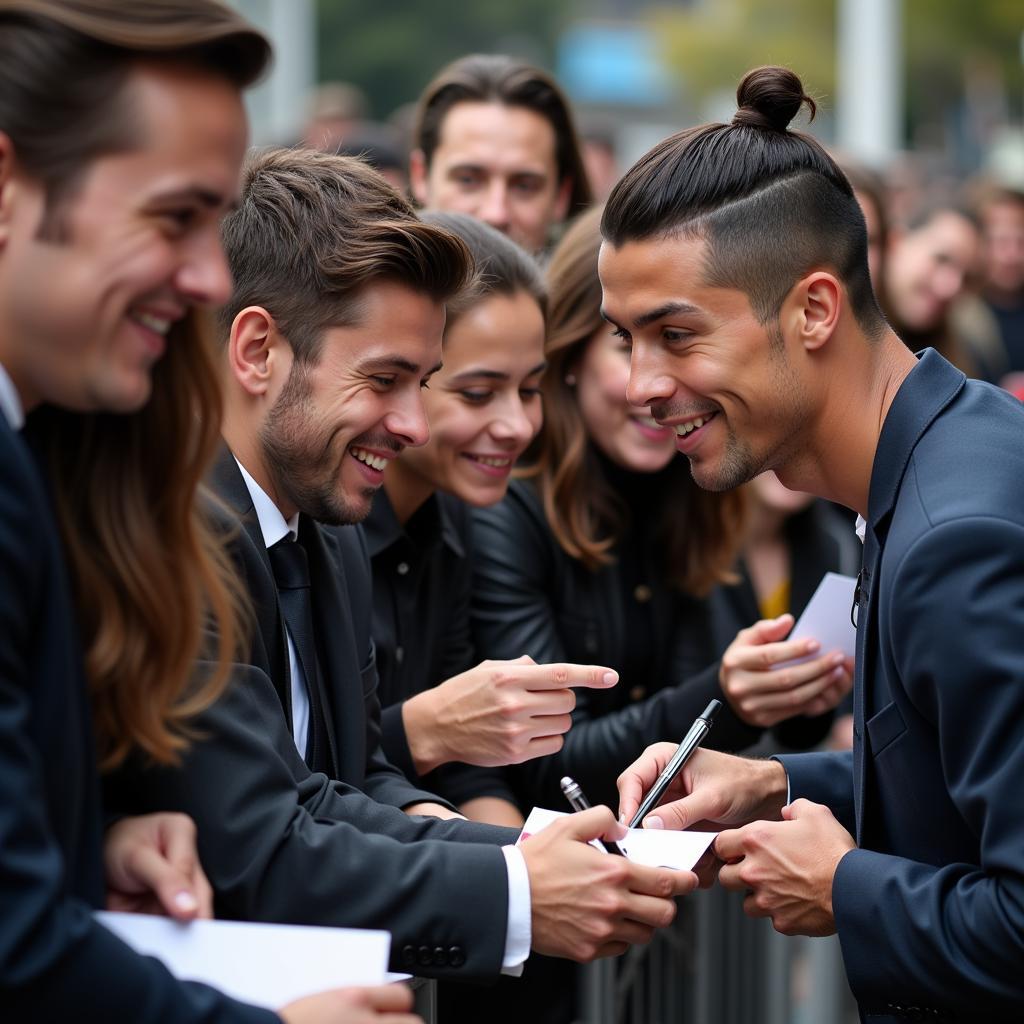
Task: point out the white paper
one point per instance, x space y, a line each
827 618
653 847
265 964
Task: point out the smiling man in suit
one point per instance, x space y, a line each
334 326
735 260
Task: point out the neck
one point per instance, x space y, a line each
860 388
763 523
243 440
406 489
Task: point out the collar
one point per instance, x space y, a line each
10 403
928 389
430 522
273 525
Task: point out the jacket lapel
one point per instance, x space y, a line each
928 389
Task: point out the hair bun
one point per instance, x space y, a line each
770 97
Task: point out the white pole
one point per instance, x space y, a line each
869 107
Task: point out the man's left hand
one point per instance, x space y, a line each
152 867
787 867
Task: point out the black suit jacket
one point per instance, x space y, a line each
281 843
530 597
930 908
56 963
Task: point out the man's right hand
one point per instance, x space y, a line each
587 904
499 713
713 790
384 1004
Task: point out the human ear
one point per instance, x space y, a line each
257 352
418 176
816 303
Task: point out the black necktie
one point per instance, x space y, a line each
291 572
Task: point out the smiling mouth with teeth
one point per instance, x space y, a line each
158 324
682 429
369 459
490 461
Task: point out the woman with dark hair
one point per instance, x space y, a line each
605 551
447 718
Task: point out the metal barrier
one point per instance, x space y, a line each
716 966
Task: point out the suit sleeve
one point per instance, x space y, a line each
516 569
280 843
56 962
826 777
917 928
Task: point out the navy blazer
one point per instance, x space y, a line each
282 843
930 908
56 963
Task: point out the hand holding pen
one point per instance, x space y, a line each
712 789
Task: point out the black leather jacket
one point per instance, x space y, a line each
530 597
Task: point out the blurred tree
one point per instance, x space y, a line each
950 46
711 45
392 48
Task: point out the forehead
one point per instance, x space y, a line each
647 273
501 332
496 135
190 129
396 324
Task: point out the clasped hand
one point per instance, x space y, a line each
784 856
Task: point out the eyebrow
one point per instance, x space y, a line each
668 309
196 193
397 363
481 373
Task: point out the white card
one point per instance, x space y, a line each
653 847
265 964
827 618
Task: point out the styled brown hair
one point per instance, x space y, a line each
495 78
501 267
770 203
700 531
313 230
147 573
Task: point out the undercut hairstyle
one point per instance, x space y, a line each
770 203
502 267
495 78
313 230
699 531
150 579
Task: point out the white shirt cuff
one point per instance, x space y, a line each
517 931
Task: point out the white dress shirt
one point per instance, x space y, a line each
275 527
10 403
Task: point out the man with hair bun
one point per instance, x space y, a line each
735 260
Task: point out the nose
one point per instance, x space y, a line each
513 425
204 276
948 282
494 210
407 420
649 383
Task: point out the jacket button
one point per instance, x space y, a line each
408 956
637 693
426 956
642 593
440 956
456 957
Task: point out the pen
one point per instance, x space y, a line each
691 741
573 793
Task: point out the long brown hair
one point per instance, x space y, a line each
150 579
700 531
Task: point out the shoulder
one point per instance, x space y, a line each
969 463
